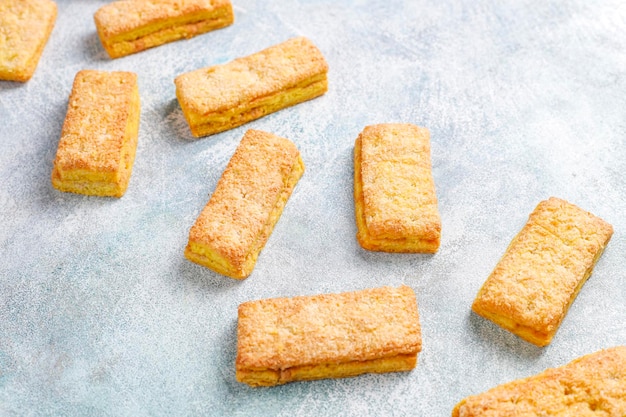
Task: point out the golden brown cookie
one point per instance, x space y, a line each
542 270
99 138
25 26
394 191
129 26
591 386
225 96
233 227
327 336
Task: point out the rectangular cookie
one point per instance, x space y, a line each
542 270
225 96
394 190
25 26
99 138
327 336
235 224
129 26
592 385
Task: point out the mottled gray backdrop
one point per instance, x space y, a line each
101 315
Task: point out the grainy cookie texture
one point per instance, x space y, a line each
327 336
249 198
99 138
25 26
591 386
531 288
129 26
225 96
394 190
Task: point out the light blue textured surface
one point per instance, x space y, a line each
100 314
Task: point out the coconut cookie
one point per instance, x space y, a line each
593 386
97 148
25 26
129 26
327 336
225 96
235 224
532 287
394 190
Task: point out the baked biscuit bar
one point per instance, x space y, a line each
591 386
394 190
247 202
542 270
25 26
129 26
327 336
99 137
225 96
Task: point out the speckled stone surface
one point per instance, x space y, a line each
100 313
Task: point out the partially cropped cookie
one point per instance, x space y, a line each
394 190
129 26
225 96
235 224
99 138
532 287
281 340
591 386
25 26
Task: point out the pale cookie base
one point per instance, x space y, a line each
591 386
268 377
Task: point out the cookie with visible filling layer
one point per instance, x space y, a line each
98 142
532 287
281 340
25 26
235 224
394 190
129 26
225 96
